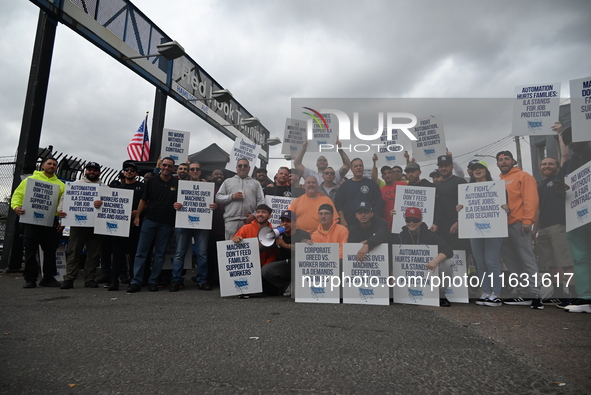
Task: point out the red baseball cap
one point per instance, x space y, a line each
414 212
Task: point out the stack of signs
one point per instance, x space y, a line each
535 109
413 280
317 270
239 267
482 215
365 281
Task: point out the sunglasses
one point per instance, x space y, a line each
242 166
413 220
165 165
130 169
195 169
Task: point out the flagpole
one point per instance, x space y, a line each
144 135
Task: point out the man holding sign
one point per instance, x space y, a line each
36 235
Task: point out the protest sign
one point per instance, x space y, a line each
317 270
60 261
322 134
456 269
195 197
365 282
40 203
411 196
412 280
277 204
535 109
243 149
113 218
578 197
391 152
294 136
175 144
580 108
482 215
78 204
430 141
239 267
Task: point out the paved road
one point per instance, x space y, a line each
195 342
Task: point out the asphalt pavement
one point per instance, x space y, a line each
91 341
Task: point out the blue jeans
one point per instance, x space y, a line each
487 252
151 232
183 241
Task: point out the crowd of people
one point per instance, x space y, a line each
328 207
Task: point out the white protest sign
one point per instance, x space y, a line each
317 273
365 282
294 136
580 108
195 197
457 271
322 133
60 261
430 141
482 215
243 149
175 144
113 218
40 203
391 152
411 196
78 204
578 197
239 267
171 252
277 204
535 109
413 281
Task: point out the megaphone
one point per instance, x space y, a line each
267 235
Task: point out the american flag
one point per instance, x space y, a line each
139 147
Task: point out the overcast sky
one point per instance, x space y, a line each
268 52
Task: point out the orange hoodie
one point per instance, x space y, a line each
336 234
522 196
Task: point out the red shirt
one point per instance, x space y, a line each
388 196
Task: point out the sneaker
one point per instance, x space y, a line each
204 286
153 287
565 303
30 284
49 282
580 306
493 301
517 302
67 284
287 292
536 303
133 288
480 301
243 297
551 301
174 287
443 302
91 284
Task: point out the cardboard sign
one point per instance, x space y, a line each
535 109
578 197
482 215
278 204
40 203
195 197
239 267
456 268
175 144
78 204
113 218
580 108
411 196
243 149
317 268
365 282
293 137
413 281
